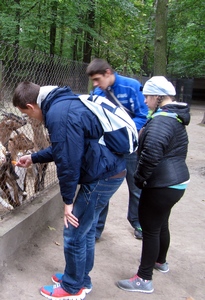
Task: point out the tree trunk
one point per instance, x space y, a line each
160 61
17 30
53 26
87 47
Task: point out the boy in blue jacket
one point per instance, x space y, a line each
74 133
126 92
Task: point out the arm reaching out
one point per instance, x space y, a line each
24 161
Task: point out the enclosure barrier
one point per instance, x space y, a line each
20 135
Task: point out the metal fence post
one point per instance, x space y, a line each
1 76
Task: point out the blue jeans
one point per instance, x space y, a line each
134 191
79 243
134 195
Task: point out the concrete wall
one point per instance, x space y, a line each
19 226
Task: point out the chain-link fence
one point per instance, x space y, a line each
20 135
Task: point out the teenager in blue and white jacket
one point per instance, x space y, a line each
80 159
128 92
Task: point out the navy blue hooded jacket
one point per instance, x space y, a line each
74 133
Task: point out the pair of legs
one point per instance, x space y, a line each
154 210
134 195
79 243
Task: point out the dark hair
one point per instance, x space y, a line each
25 93
98 66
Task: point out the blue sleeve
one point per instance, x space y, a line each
140 109
42 156
133 89
99 92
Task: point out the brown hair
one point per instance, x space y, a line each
25 93
98 66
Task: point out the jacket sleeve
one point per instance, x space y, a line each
140 108
42 156
155 141
68 149
99 92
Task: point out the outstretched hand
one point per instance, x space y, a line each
24 161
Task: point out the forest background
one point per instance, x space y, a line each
145 37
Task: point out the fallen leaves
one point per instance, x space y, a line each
51 228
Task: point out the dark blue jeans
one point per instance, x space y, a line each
79 243
134 195
134 191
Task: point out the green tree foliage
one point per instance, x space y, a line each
186 43
124 32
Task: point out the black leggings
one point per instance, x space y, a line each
154 210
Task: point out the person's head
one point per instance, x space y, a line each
25 99
101 73
158 91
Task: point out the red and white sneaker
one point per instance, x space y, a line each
57 278
53 292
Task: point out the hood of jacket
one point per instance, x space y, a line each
55 95
43 93
177 110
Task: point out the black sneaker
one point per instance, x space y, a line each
138 233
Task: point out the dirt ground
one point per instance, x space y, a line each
118 252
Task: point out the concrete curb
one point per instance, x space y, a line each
19 226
